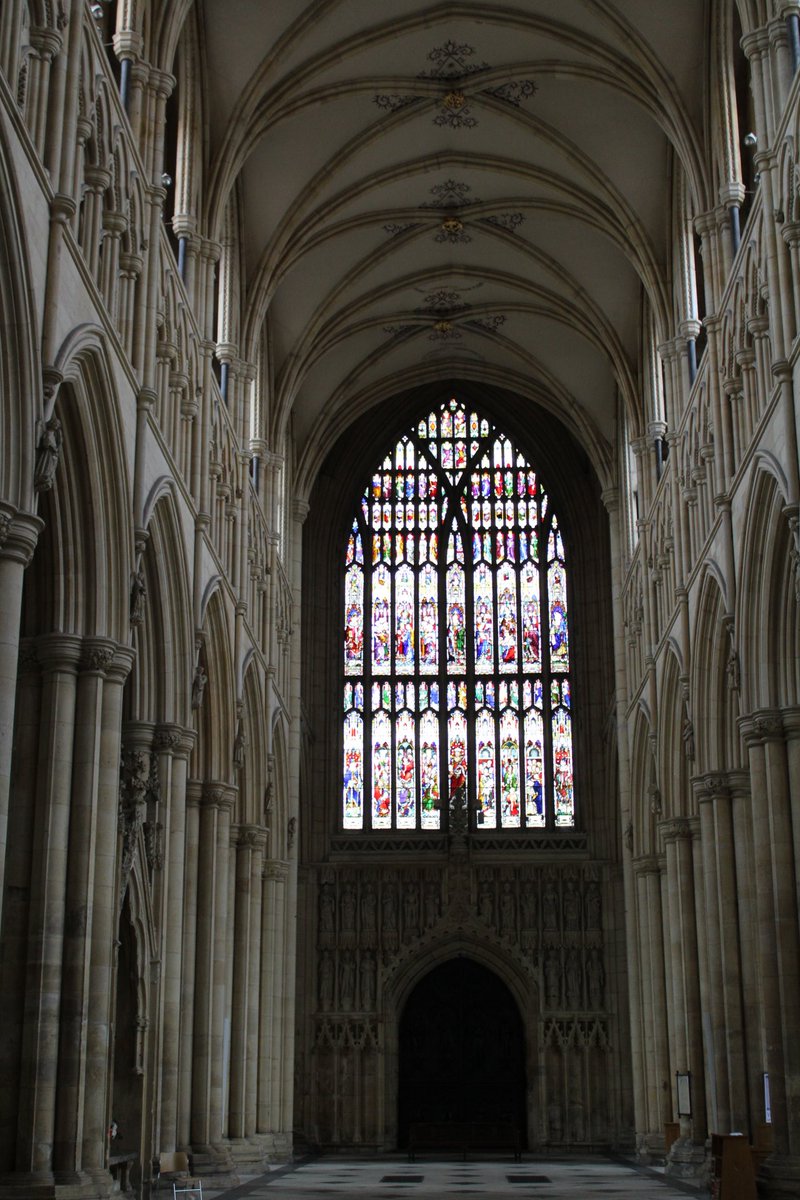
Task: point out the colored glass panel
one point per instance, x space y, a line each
381 595
429 770
484 622
406 773
381 771
485 780
428 620
456 624
353 791
457 754
557 591
354 622
493 624
507 617
509 769
404 621
563 784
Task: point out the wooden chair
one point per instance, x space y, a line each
176 1166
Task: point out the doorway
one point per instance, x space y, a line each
461 1051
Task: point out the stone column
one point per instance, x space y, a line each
210 971
18 536
98 656
59 655
172 925
250 840
254 983
270 1041
655 1057
776 905
105 922
194 792
683 970
16 914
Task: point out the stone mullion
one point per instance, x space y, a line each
75 984
188 964
256 950
59 655
105 919
173 935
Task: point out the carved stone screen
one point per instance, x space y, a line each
456 649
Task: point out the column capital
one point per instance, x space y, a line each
791 722
59 652
675 829
218 795
19 533
300 510
98 655
647 864
763 725
174 739
713 786
253 837
276 869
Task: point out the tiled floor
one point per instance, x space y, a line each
542 1179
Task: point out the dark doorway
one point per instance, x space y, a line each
462 1051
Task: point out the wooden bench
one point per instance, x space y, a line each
463 1136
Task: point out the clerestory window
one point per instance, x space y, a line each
456 643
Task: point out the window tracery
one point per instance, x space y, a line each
456 638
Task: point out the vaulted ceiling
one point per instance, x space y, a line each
455 190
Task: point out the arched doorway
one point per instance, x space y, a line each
461 1050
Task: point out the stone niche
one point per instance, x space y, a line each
380 928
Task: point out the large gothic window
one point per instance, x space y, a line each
456 650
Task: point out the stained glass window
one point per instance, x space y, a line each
456 638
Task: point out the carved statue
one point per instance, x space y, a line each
326 909
239 747
507 909
687 733
198 686
486 904
431 905
369 906
326 982
411 909
347 981
572 908
552 980
48 453
291 830
389 910
550 907
596 980
528 907
732 671
138 597
593 907
347 907
368 982
574 979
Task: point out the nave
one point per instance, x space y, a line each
446 1177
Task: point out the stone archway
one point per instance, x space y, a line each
461 1050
